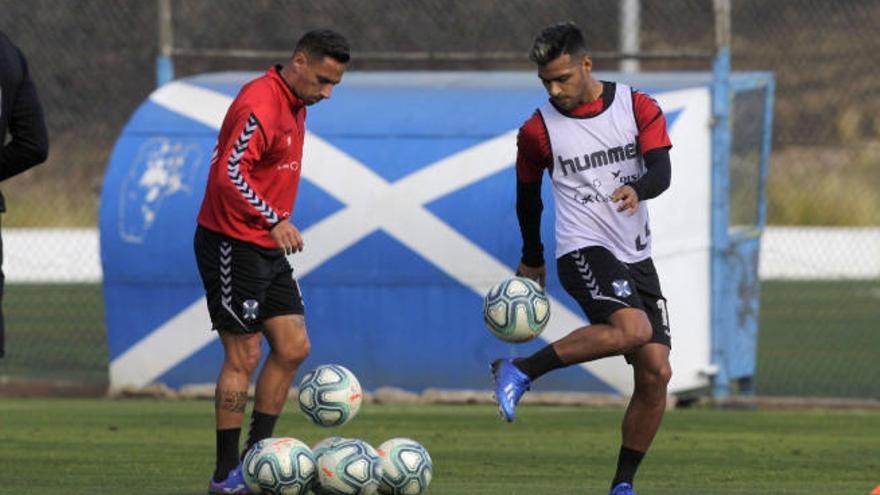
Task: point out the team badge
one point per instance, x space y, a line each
250 309
621 288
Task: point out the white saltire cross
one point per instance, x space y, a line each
371 204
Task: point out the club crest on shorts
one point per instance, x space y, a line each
250 309
621 288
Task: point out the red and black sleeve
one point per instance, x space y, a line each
245 143
654 144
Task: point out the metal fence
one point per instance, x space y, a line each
94 61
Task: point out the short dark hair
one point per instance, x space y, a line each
556 40
324 43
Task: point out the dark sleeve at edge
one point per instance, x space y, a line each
528 211
30 140
658 174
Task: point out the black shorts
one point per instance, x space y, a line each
601 284
245 284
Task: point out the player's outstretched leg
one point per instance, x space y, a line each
510 384
232 485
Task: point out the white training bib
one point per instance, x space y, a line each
592 157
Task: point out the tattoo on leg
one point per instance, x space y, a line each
232 401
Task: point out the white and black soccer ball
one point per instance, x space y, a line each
516 310
351 467
330 395
279 466
325 444
406 467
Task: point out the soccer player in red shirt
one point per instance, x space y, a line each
244 234
605 149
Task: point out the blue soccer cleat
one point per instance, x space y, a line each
622 489
232 485
510 384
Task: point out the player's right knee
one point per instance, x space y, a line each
244 361
289 340
636 334
294 353
305 350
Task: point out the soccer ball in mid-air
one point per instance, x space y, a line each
516 310
279 466
330 395
350 467
406 467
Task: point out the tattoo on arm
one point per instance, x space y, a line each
231 400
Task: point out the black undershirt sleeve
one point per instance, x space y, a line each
658 174
528 210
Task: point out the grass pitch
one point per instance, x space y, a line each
816 339
149 447
819 339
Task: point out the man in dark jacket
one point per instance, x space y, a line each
21 115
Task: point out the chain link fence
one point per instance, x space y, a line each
94 62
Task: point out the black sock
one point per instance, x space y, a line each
227 452
627 464
539 363
262 426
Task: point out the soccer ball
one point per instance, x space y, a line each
330 395
406 467
516 310
325 444
276 466
351 467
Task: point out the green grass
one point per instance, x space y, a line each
148 447
815 339
55 332
819 339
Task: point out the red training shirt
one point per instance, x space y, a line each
256 165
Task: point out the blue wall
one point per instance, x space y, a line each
378 307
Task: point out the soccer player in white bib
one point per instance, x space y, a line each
605 148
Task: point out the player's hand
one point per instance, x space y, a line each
627 198
536 273
287 237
